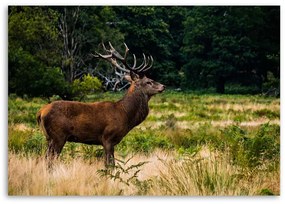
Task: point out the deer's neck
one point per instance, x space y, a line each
135 105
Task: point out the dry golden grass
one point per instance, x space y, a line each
30 176
274 106
223 123
206 173
211 173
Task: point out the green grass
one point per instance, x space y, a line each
169 109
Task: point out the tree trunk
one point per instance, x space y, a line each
220 85
71 42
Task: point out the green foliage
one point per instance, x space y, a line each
265 145
17 139
271 87
266 192
51 82
87 85
252 150
143 141
227 44
23 111
151 24
34 57
127 175
189 141
36 144
90 152
83 29
193 47
34 29
26 142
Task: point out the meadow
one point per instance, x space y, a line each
190 144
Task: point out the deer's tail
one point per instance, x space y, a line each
39 117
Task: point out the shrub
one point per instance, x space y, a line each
143 141
87 85
51 83
32 77
127 174
91 151
35 144
252 150
264 146
27 142
17 139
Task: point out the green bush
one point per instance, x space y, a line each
92 151
127 174
27 142
36 144
51 83
252 149
143 141
17 139
264 146
32 77
87 85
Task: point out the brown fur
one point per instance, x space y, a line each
99 123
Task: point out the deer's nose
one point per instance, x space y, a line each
162 88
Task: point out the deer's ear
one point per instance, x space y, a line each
128 78
134 76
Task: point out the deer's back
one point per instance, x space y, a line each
84 122
75 109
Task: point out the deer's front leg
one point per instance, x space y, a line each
109 154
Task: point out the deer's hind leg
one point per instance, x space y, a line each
54 148
53 151
55 143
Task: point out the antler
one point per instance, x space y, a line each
115 56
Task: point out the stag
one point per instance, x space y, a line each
101 123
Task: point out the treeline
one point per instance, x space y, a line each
196 47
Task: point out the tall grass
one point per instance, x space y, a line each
161 173
214 174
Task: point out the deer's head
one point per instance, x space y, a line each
134 74
144 84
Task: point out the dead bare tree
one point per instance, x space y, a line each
72 41
74 63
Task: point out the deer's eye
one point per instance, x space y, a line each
149 83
